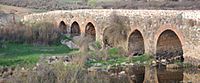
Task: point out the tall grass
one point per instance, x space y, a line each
57 73
40 33
73 72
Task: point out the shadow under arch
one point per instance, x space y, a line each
90 31
63 27
75 29
169 46
136 43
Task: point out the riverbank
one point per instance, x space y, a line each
12 54
57 64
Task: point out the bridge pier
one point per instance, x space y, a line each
150 75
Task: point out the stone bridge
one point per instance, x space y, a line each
164 33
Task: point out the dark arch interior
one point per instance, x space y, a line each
169 47
106 41
75 29
63 27
136 43
90 30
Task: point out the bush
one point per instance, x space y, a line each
116 33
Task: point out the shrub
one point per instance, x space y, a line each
98 45
116 33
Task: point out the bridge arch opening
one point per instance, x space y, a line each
90 31
136 43
63 27
169 47
75 29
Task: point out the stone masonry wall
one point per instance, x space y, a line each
150 23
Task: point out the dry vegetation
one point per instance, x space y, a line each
40 33
143 4
116 33
105 4
56 73
83 42
75 71
46 4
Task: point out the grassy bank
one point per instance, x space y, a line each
22 44
12 54
75 71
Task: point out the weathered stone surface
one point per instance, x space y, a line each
70 44
184 24
55 59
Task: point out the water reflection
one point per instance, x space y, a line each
170 75
157 75
133 74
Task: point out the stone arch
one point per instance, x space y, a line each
136 43
90 30
169 46
75 29
63 27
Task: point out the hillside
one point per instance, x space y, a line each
104 4
7 12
